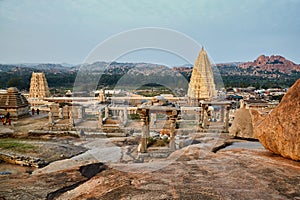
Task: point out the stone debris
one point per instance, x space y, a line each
23 160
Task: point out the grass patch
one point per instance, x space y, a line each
134 116
14 144
152 142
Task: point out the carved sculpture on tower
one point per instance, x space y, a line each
38 86
202 85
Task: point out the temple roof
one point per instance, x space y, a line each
12 99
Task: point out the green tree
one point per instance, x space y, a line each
16 82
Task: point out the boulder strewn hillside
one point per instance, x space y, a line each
271 64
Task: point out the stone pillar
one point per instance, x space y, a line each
125 117
205 123
198 116
51 119
80 112
121 115
66 112
71 119
145 130
204 116
222 114
226 125
55 109
101 96
60 113
100 118
172 130
106 112
152 119
242 104
147 125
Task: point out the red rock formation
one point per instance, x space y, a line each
272 63
279 132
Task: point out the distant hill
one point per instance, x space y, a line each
265 71
271 63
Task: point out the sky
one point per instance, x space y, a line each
66 31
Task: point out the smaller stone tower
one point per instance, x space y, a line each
15 103
38 86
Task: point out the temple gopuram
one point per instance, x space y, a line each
202 85
38 86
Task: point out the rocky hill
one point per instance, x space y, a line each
272 63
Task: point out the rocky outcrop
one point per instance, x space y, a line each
197 173
242 125
272 63
279 132
22 160
6 132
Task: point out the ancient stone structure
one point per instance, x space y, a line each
71 119
202 86
38 86
145 130
101 96
51 121
242 125
279 131
60 113
15 103
145 114
172 119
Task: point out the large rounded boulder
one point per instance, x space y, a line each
279 132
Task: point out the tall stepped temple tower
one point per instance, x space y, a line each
38 86
202 85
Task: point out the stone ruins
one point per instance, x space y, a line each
162 115
172 117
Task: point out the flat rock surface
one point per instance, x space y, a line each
237 173
48 151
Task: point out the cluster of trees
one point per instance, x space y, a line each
20 78
259 82
7 80
243 81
